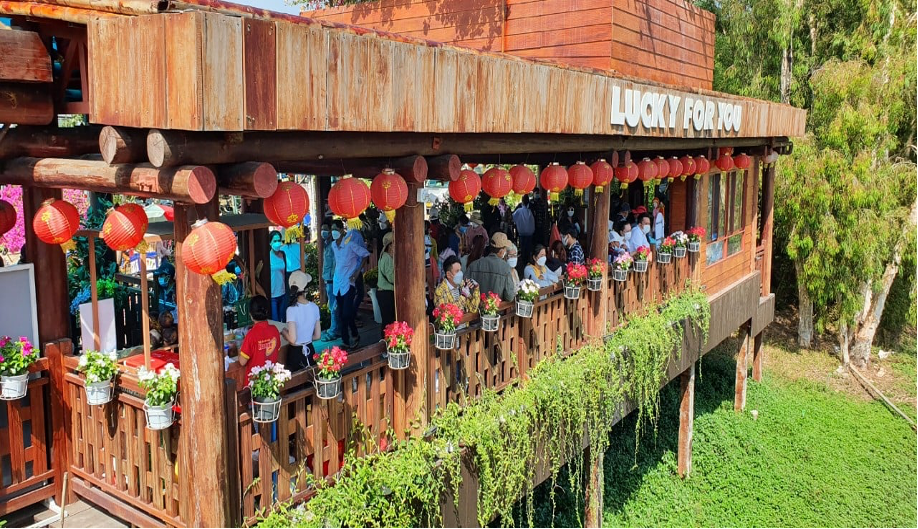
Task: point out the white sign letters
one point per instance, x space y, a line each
652 110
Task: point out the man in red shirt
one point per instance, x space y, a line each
262 343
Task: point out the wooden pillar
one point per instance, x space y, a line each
686 420
322 188
258 252
758 352
599 249
768 212
592 516
60 414
411 384
50 271
200 325
742 367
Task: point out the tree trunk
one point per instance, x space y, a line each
787 70
804 311
843 341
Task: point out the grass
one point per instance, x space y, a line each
816 456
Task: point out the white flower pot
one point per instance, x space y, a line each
694 247
265 410
159 417
679 252
399 359
328 388
445 341
594 284
524 308
14 387
620 275
572 291
489 323
640 267
98 393
664 258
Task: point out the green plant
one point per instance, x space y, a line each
161 387
370 277
98 367
267 381
16 356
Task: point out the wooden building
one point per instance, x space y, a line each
192 92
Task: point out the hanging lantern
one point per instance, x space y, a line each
603 173
124 227
7 217
626 174
522 179
724 162
55 222
496 182
647 170
688 166
725 151
288 205
702 166
348 198
662 167
580 176
208 249
554 180
389 192
742 161
465 188
675 169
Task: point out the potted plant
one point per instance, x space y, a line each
665 252
328 372
574 277
526 295
15 359
490 311
398 336
266 383
446 318
621 265
597 267
161 389
641 256
99 369
695 235
681 241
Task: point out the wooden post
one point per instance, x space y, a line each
60 413
592 516
44 142
94 295
50 271
249 179
320 187
768 210
758 352
411 384
599 249
258 247
742 367
445 167
686 420
200 320
123 145
145 309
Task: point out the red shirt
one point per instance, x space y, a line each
260 345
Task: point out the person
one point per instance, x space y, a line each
437 231
350 254
525 228
477 252
384 229
558 258
570 221
233 290
537 270
456 288
165 288
168 330
618 240
492 273
455 236
624 213
475 229
638 236
385 282
513 258
574 250
329 236
278 276
540 216
658 220
303 324
262 342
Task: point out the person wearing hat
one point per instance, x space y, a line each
262 343
385 281
492 273
303 324
475 228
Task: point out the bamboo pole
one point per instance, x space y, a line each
145 308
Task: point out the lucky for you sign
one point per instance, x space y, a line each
672 112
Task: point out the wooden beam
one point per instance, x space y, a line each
445 167
742 368
51 12
200 320
686 420
768 225
250 179
25 58
599 249
411 168
123 145
187 184
26 104
758 353
49 142
121 7
593 504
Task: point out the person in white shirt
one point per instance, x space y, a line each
658 221
303 324
525 228
639 234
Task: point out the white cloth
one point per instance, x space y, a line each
524 221
658 227
304 316
637 240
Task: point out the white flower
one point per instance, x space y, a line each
113 356
83 361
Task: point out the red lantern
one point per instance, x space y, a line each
580 176
702 166
465 188
662 167
675 168
724 162
522 178
554 180
742 161
348 198
124 227
288 205
603 173
209 248
7 217
389 192
55 222
496 182
728 151
626 174
688 166
647 170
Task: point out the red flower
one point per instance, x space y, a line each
398 336
490 303
576 273
330 361
597 267
642 253
447 316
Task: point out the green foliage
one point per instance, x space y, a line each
97 366
161 387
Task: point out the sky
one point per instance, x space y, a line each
273 5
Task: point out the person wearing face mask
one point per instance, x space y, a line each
557 259
384 228
658 220
455 288
328 278
574 250
618 238
454 240
233 291
165 288
537 270
350 255
385 283
513 261
639 234
278 276
492 272
539 209
569 220
475 229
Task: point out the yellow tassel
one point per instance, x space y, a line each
68 246
293 234
698 176
493 201
682 178
578 192
390 214
355 223
553 196
223 277
469 206
624 185
599 190
143 247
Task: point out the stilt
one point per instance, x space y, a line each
686 420
758 352
742 367
592 516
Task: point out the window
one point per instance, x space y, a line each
726 215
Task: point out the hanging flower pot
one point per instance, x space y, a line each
159 417
266 382
595 271
641 257
524 308
572 291
329 364
14 386
574 277
98 369
664 257
446 318
620 275
695 235
490 306
527 293
161 390
399 360
694 246
265 409
445 340
99 393
328 387
398 336
679 252
621 266
15 358
489 322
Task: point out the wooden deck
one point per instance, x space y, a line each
78 514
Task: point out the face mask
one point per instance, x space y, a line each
570 213
163 281
276 246
463 229
238 271
645 228
324 234
457 279
541 261
512 262
336 235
